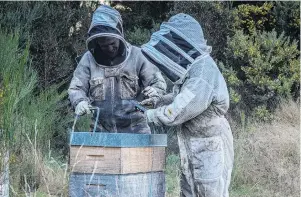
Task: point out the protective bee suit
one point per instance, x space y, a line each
198 103
113 83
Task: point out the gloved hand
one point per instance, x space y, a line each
150 92
152 95
153 101
151 117
82 108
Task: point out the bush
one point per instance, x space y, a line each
138 36
252 18
260 69
27 118
287 18
23 110
281 16
56 30
142 14
14 72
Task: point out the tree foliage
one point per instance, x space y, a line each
262 69
56 30
239 33
281 16
24 110
287 18
252 18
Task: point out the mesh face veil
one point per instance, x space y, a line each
106 22
107 16
176 45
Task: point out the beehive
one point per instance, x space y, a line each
117 164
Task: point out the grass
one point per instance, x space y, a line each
267 156
28 119
266 162
173 175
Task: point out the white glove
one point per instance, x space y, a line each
82 108
152 95
150 92
153 101
152 118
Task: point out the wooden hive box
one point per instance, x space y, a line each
117 164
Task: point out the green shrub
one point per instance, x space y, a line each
14 72
56 30
23 109
252 18
287 18
142 14
138 36
279 15
28 118
260 69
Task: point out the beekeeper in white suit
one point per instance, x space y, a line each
198 103
111 75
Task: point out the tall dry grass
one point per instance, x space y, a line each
266 161
267 156
36 174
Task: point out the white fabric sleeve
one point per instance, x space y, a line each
79 86
195 96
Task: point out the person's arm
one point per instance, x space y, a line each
79 86
151 76
195 96
157 100
165 99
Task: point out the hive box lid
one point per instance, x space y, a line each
117 139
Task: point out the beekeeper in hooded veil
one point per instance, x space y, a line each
198 104
111 75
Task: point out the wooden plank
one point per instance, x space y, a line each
95 159
135 160
133 185
116 160
117 139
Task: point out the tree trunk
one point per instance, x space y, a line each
4 175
